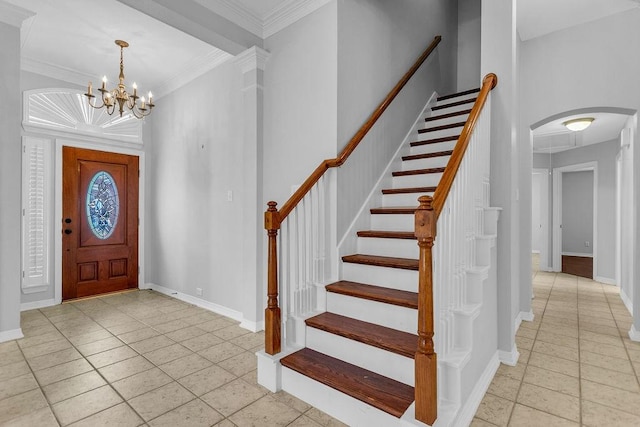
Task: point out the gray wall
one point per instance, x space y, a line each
469 40
577 212
10 176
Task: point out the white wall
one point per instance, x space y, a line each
10 176
377 43
193 233
577 213
536 214
468 44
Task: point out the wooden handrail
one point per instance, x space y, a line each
302 191
444 186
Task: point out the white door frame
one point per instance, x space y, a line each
557 212
618 217
544 217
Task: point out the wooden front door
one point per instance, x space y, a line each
99 222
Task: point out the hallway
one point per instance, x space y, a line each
577 365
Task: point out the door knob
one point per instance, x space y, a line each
67 231
67 220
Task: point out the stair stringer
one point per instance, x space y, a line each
362 221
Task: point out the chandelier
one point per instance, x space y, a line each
120 96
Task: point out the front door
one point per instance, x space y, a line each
99 222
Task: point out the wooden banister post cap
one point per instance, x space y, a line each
271 217
426 202
425 219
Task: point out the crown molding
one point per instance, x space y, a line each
252 58
289 12
55 71
192 70
236 13
13 15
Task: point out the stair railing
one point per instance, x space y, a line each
462 195
308 263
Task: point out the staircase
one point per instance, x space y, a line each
359 354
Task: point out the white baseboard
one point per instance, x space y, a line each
37 304
634 335
509 357
626 300
467 412
252 326
211 306
13 334
523 315
606 280
580 254
535 251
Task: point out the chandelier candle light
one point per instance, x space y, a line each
120 94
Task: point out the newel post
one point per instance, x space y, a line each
272 335
426 364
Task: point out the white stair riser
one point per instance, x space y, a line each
430 162
389 364
458 98
401 248
393 222
421 180
445 121
433 148
452 109
403 199
389 315
394 278
440 133
345 408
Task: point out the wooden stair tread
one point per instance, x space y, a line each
409 235
427 155
435 140
382 261
455 95
418 172
442 127
409 190
394 210
447 116
454 104
384 393
388 339
375 293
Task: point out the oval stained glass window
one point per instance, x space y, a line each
103 204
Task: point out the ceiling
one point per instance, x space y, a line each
554 137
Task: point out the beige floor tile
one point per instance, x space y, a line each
141 382
513 372
249 341
230 332
634 355
477 422
596 415
202 342
40 339
523 416
233 396
265 412
192 414
208 379
304 421
292 401
612 378
612 363
17 385
53 359
604 349
62 372
109 357
138 335
527 333
524 356
90 337
151 344
552 380
556 364
600 329
550 401
42 417
495 410
610 396
559 329
556 339
167 354
125 368
89 403
221 352
185 366
241 364
73 386
171 326
556 350
504 387
99 346
161 400
185 334
21 404
126 327
215 324
524 343
593 337
45 349
13 370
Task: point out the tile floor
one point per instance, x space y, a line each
139 358
577 365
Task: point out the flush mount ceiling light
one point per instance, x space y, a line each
578 124
120 96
